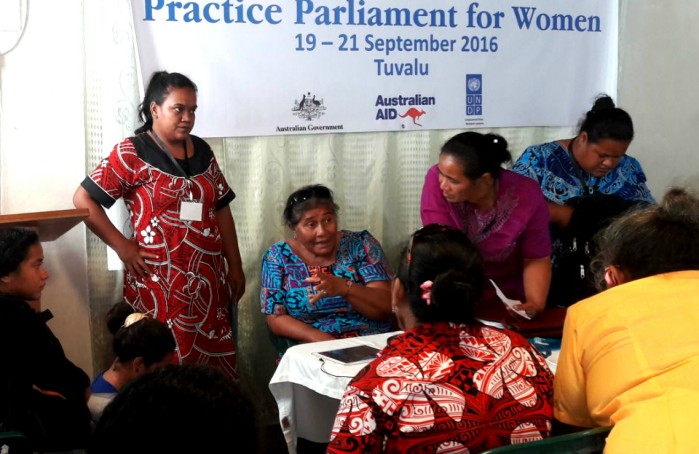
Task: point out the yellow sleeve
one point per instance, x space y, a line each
570 385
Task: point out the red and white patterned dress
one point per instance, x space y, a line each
187 287
446 388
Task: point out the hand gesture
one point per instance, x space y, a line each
326 285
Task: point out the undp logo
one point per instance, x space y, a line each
474 94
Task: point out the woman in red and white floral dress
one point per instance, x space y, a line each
183 264
448 383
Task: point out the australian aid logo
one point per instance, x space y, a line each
409 110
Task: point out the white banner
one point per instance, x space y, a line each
320 66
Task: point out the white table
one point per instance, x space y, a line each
308 390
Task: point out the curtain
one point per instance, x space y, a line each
376 177
111 100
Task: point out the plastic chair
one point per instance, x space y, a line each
589 441
280 343
12 442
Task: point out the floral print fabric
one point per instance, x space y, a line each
446 388
360 258
187 286
552 167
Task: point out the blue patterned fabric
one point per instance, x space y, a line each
557 174
360 258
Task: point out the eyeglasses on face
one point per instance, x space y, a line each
429 229
320 192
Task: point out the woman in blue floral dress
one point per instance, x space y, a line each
324 283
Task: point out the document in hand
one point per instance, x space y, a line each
509 302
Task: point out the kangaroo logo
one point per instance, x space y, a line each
414 114
308 108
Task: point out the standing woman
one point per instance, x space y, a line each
503 213
182 264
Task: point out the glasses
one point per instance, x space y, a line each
429 229
320 192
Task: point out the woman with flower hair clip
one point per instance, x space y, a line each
448 383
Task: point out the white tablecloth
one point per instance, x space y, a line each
308 390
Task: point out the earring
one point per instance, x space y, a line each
294 235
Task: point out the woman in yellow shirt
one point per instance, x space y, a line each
630 355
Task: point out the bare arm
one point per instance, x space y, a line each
537 278
560 214
288 327
372 300
97 221
231 251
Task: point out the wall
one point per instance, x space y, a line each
42 127
42 153
659 46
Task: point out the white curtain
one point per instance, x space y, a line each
377 179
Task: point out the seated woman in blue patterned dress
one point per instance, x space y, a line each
324 283
587 180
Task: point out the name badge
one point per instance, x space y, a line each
191 211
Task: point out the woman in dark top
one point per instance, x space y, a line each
43 394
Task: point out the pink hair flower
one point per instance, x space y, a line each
427 291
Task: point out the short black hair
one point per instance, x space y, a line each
14 248
147 338
176 408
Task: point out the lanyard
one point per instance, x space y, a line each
172 158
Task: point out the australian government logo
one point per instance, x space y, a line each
409 108
474 99
309 108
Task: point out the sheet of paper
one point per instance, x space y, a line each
509 302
